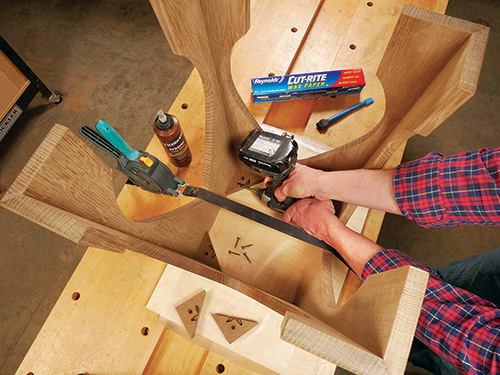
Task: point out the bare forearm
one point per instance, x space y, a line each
317 217
363 187
356 249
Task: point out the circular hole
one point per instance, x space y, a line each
206 253
75 296
294 29
145 331
352 46
370 4
242 178
30 373
233 327
271 75
220 368
184 105
190 311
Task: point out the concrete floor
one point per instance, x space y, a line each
112 62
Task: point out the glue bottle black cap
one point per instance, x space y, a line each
164 121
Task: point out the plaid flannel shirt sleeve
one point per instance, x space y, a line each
462 189
438 191
454 323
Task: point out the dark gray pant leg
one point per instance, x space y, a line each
479 274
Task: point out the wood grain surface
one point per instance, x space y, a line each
260 349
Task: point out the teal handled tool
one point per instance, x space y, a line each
324 123
141 168
114 138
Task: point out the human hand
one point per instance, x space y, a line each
302 183
316 217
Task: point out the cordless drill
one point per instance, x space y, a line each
271 155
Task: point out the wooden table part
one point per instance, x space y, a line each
357 129
166 354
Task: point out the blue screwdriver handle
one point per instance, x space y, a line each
116 140
349 110
323 124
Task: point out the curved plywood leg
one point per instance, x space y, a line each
370 334
453 51
205 32
66 175
69 189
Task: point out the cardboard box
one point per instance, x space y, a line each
308 85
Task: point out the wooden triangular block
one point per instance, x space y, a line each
190 311
232 327
206 253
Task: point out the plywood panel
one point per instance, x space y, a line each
170 348
260 349
388 305
271 261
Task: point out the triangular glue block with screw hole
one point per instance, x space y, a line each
232 327
189 312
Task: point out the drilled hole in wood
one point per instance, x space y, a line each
30 373
184 105
233 327
271 74
370 4
145 331
75 296
206 253
294 29
220 368
352 46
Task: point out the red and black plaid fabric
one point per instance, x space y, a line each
463 189
438 191
454 323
